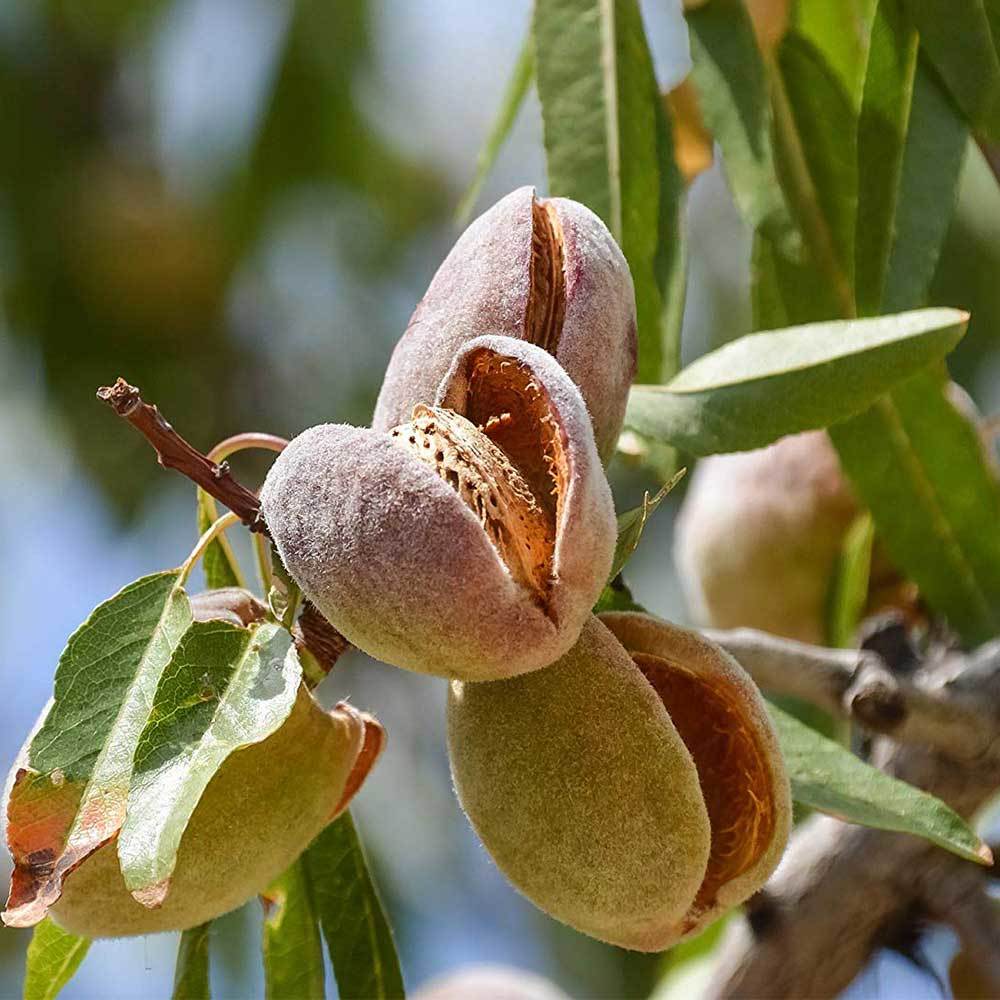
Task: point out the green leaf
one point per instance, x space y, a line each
732 85
293 951
608 146
53 956
191 981
225 688
354 925
961 39
934 498
632 522
763 386
219 561
911 146
849 592
80 760
510 105
827 777
617 596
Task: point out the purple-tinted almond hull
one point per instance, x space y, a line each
484 287
393 557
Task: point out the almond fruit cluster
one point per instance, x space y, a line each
622 772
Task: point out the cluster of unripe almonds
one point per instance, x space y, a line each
622 772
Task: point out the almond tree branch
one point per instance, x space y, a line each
930 709
173 452
841 889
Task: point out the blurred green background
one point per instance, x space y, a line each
236 204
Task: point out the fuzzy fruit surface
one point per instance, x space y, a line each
472 540
544 271
259 812
759 534
600 809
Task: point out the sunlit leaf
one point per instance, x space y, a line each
828 777
293 950
728 400
71 799
225 688
53 957
354 925
693 145
191 979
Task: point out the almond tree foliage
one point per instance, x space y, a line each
843 132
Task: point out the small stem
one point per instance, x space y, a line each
173 452
242 442
226 521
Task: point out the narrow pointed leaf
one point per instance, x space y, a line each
733 95
225 688
53 957
191 973
354 925
828 777
510 105
911 145
293 950
961 37
632 523
71 797
820 373
608 145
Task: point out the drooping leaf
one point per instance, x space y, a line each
828 777
934 498
911 145
510 105
632 522
961 37
357 934
71 797
763 386
608 145
929 486
733 95
191 979
225 688
219 561
293 951
53 957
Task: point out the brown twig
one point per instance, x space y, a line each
173 452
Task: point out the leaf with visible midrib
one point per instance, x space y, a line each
80 760
354 925
293 950
758 388
53 957
607 145
225 688
827 777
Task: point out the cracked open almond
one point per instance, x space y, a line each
546 271
470 540
633 790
